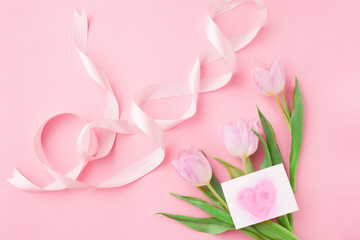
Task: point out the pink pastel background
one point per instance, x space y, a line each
142 42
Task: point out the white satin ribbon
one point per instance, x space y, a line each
93 146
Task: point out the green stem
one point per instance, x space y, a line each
245 166
217 196
249 165
283 112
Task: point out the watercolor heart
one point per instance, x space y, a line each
258 201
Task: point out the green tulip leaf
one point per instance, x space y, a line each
266 162
211 197
291 220
214 182
275 154
207 207
234 172
284 221
254 233
203 153
206 225
287 111
297 126
275 231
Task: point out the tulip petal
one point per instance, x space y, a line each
255 124
193 167
277 76
269 82
261 79
232 140
239 139
245 136
253 139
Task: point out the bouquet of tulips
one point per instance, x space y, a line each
241 141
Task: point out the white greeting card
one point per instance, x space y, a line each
259 196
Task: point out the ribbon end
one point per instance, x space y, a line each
18 180
80 30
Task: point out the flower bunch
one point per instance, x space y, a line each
241 141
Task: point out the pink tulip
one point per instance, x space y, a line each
269 82
239 139
193 166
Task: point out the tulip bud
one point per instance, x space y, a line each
239 139
193 166
269 82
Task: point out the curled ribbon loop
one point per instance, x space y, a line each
92 146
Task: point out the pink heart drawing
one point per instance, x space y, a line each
258 201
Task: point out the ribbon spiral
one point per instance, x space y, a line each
92 146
